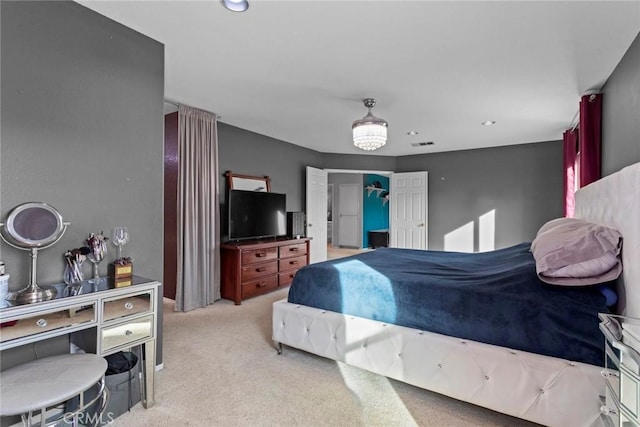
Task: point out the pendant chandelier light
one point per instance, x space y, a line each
370 132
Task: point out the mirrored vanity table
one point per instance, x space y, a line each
622 369
99 318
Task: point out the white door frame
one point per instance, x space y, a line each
383 173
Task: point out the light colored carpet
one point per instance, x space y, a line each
335 252
221 369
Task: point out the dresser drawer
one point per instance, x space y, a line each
255 271
260 286
292 263
285 279
257 255
127 306
126 333
293 250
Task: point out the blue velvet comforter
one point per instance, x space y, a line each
491 297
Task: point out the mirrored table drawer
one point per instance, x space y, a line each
126 333
48 321
127 306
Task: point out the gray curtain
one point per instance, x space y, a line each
198 278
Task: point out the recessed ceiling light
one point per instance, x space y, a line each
412 132
235 5
488 123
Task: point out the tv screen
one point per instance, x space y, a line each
256 214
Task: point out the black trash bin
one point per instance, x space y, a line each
122 379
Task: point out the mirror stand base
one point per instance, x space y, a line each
32 294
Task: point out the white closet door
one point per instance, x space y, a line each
349 206
317 213
408 210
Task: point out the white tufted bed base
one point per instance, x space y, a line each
537 388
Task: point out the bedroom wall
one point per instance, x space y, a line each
249 153
522 183
620 113
360 162
82 129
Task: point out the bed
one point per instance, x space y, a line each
551 386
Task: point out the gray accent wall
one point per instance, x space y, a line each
82 129
248 153
621 113
359 162
523 183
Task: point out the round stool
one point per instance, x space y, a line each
48 383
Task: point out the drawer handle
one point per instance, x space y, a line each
128 332
128 305
261 254
261 284
261 269
605 410
42 323
608 374
294 249
293 262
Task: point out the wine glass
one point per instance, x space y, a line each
97 250
120 237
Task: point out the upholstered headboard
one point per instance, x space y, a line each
614 201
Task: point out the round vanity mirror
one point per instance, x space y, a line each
33 226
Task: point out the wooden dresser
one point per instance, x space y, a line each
255 267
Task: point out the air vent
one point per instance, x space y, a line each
422 144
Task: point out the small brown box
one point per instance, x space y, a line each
119 270
121 282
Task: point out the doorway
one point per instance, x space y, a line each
360 204
413 201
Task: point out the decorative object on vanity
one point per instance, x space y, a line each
121 272
121 269
248 182
4 282
369 132
33 226
120 237
97 244
72 275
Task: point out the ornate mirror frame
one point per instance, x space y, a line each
248 182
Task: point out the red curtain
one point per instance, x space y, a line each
590 138
570 139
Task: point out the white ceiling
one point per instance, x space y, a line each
298 70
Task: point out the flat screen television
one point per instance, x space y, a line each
256 214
